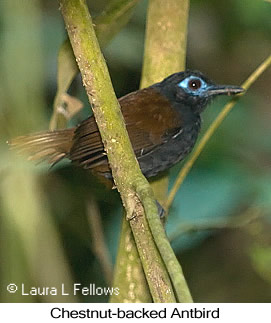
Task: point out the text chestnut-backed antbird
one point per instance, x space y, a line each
163 122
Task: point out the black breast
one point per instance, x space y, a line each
173 150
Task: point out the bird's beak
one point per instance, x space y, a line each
224 89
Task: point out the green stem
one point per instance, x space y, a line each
165 44
129 276
130 182
210 131
165 49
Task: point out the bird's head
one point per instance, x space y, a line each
193 89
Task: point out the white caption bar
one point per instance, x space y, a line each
70 312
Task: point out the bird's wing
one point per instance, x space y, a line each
149 120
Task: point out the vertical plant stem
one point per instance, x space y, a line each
165 43
129 275
165 49
136 194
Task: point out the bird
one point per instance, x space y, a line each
163 122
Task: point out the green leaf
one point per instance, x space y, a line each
261 260
65 106
107 25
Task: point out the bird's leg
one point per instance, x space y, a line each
161 211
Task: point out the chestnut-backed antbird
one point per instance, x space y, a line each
163 122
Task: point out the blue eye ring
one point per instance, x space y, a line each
193 85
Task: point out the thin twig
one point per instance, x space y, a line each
98 245
214 224
210 131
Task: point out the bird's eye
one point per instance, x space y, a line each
194 84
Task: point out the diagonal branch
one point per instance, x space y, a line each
210 131
134 189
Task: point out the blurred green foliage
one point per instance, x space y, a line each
45 234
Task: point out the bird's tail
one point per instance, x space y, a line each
50 146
